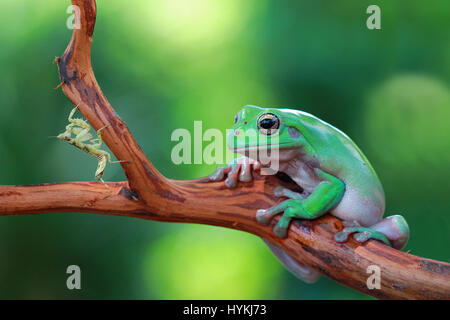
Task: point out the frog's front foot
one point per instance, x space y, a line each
292 208
264 216
361 234
239 169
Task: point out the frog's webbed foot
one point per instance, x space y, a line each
392 230
361 234
292 208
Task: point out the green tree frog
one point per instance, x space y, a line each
334 174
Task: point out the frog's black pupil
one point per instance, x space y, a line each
267 123
236 119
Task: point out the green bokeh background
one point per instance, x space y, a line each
164 64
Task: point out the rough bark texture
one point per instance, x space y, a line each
149 195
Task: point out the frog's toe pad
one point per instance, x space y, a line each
231 182
361 236
263 217
341 236
280 231
216 176
245 176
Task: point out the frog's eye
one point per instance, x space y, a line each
236 118
268 123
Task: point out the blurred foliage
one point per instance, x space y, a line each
164 64
219 258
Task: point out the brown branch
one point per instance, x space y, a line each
71 196
149 195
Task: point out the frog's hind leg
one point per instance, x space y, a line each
301 271
325 196
393 231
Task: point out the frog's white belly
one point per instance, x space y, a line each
354 207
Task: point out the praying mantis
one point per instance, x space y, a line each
83 140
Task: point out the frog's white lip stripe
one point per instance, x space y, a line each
253 148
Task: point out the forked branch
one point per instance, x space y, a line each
149 195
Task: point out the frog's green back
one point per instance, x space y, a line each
339 155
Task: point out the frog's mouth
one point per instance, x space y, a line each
261 148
